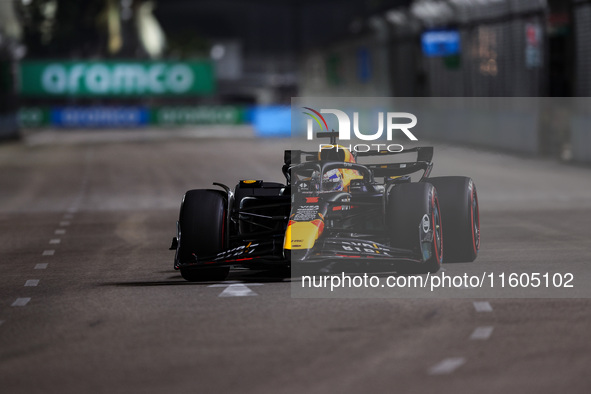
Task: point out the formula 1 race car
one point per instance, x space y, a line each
332 208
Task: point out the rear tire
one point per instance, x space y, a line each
202 224
408 204
459 204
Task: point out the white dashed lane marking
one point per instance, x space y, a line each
48 253
55 241
68 216
64 223
41 266
482 333
32 282
21 301
447 366
1 322
60 232
237 289
482 306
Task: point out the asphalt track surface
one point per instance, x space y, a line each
89 301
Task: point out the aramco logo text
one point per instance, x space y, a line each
392 120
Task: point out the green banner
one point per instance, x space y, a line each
116 78
33 116
224 114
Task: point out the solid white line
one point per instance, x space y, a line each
64 223
60 232
482 306
40 266
21 301
447 366
55 241
237 290
32 282
482 333
48 253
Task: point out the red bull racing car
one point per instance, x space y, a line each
332 207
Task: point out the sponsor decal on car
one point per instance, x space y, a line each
237 252
365 247
426 224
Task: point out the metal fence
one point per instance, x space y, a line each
494 62
503 53
582 22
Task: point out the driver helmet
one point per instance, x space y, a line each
332 181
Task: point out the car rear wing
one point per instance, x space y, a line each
422 163
424 153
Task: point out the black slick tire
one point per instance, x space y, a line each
202 225
459 204
408 206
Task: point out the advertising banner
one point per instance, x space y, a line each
133 116
115 78
99 117
441 42
226 114
33 116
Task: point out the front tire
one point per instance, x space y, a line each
202 224
408 206
459 203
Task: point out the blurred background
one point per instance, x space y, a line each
146 63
